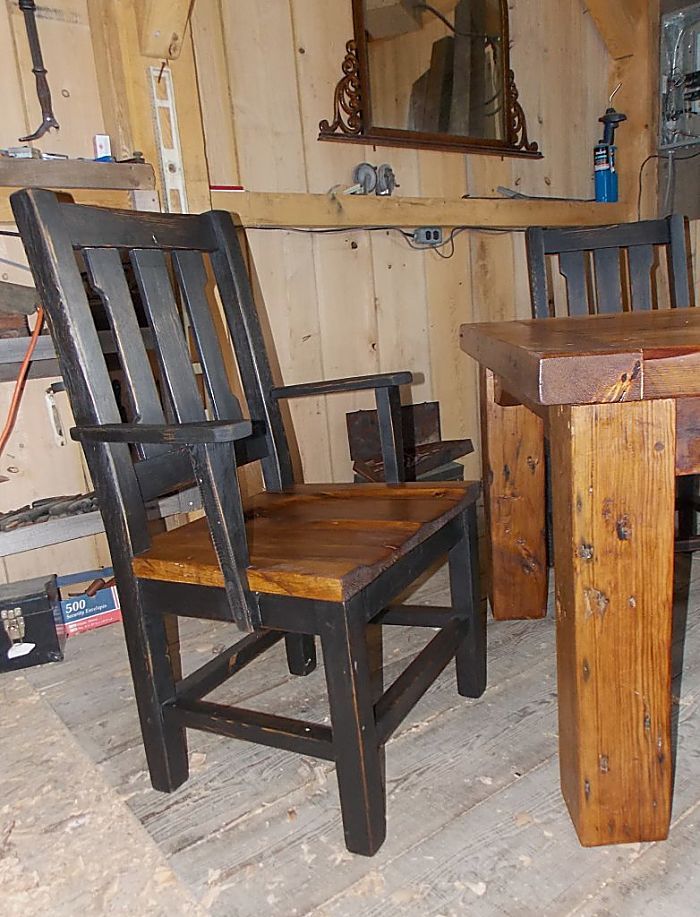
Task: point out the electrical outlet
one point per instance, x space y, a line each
427 235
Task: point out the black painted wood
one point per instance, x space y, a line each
178 442
350 384
399 699
470 660
599 287
355 739
226 664
183 434
253 726
391 434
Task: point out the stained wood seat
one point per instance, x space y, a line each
292 563
313 544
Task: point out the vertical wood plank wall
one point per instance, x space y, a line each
338 304
33 465
348 303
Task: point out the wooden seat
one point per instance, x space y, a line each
313 544
292 563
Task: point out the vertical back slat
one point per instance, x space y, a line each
606 262
106 274
641 261
50 253
192 278
537 272
249 343
572 265
679 280
176 369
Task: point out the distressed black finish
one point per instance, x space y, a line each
611 269
622 250
170 440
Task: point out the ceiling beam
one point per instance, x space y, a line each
618 23
162 26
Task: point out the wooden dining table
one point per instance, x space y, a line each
617 397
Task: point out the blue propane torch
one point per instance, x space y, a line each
606 188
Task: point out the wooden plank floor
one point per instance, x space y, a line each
476 821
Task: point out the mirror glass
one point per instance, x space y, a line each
437 67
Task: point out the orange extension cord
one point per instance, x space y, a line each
19 384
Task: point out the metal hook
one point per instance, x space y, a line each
613 93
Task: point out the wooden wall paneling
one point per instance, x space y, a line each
122 79
64 33
33 464
493 281
348 329
191 127
347 339
454 376
15 123
283 268
218 115
399 272
617 23
259 38
162 25
269 139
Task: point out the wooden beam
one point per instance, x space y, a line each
322 210
75 173
618 23
120 200
162 25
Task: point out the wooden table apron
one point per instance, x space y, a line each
614 396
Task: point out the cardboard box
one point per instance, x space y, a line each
81 613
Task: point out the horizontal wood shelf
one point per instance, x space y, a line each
259 209
76 173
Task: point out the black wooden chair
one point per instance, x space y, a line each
294 561
611 269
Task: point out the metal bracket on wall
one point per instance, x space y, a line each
168 140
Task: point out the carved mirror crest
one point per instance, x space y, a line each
434 75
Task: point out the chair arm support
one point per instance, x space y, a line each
351 384
186 434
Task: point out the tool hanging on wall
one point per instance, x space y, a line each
606 179
48 119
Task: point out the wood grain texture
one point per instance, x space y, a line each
613 489
311 542
162 26
323 210
514 501
592 358
688 436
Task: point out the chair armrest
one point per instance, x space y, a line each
351 384
185 434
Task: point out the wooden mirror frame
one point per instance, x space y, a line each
352 115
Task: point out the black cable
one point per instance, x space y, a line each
641 172
7 232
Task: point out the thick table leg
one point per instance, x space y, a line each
514 481
613 485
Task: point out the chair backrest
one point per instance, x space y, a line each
173 257
608 268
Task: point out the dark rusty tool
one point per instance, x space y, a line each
48 119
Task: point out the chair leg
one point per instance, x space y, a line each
149 646
470 658
358 754
301 653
